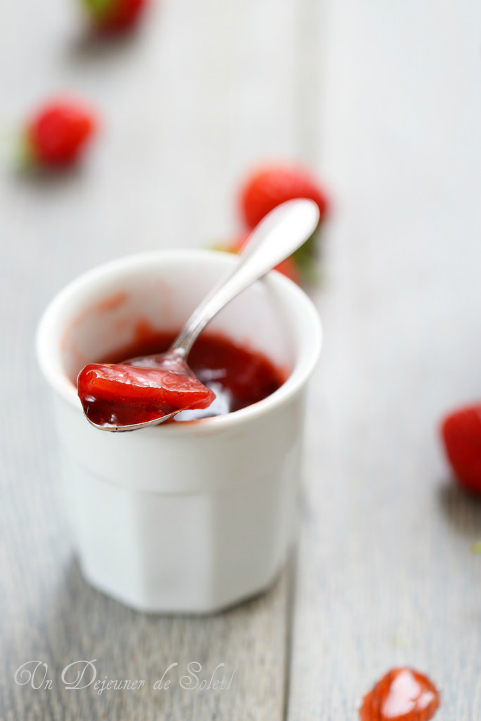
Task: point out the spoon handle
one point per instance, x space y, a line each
276 237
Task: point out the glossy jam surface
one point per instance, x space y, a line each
138 391
226 377
401 695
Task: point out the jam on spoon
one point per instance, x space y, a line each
148 391
139 390
238 376
401 695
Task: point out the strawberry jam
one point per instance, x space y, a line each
401 695
131 393
225 377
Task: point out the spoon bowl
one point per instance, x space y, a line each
155 387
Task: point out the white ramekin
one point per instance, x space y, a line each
193 516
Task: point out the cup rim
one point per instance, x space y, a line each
47 335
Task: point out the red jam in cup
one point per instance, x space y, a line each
226 377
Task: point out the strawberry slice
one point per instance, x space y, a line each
120 395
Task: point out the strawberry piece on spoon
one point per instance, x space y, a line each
139 390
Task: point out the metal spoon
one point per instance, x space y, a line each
276 237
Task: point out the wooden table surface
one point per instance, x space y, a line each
382 100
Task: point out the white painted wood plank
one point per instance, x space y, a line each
385 572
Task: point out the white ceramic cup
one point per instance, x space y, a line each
191 516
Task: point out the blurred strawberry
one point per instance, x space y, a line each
114 16
56 134
287 267
461 433
272 185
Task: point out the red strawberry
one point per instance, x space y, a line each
115 15
287 267
272 185
461 433
57 133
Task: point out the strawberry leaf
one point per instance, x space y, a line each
99 8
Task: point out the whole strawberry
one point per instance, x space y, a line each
57 133
461 433
272 185
287 267
113 16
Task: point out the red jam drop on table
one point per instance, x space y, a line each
226 378
401 695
